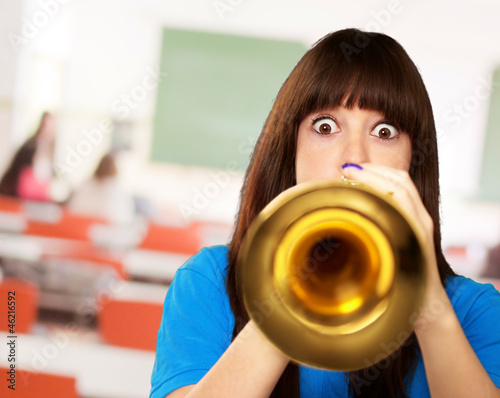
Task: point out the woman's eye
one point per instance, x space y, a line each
386 131
325 126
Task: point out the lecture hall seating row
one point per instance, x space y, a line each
51 220
127 322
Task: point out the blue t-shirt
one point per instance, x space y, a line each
197 326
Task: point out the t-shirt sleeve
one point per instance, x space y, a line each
478 309
196 325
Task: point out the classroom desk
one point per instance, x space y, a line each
20 247
34 248
139 264
12 222
153 265
102 371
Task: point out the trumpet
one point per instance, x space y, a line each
341 270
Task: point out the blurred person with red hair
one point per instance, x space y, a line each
103 196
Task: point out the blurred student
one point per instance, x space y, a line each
29 174
103 196
492 269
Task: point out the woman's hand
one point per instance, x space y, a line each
399 185
451 365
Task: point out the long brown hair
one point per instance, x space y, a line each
345 68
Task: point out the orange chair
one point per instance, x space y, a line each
69 227
83 251
172 239
130 324
9 204
41 385
26 304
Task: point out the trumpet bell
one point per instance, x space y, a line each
333 275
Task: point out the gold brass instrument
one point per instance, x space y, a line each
333 274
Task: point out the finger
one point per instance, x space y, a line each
385 182
393 175
402 189
385 170
403 179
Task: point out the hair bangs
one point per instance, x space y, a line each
377 78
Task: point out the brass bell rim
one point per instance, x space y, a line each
323 346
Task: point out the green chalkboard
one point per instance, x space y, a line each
219 90
490 180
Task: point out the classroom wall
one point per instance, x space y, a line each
10 15
98 51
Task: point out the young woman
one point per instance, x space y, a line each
355 105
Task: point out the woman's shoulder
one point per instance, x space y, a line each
457 285
209 262
471 298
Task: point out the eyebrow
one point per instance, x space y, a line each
328 114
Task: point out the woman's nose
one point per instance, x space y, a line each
355 149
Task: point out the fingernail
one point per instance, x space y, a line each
356 166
